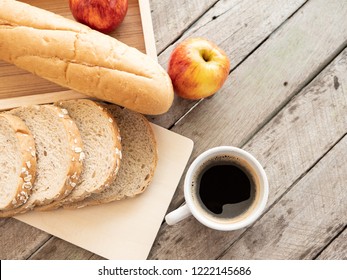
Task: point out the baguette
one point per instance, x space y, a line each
74 56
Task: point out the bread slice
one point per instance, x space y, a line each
17 162
59 151
138 163
102 147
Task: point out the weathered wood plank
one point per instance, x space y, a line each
305 218
272 75
289 145
57 249
238 27
337 250
171 18
19 240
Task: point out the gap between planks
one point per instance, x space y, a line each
179 35
338 235
163 29
39 247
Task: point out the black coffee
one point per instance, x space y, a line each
225 188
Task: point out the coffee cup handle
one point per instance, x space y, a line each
178 215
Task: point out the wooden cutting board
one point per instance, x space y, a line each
123 229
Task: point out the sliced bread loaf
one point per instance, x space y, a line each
138 162
102 148
59 151
17 162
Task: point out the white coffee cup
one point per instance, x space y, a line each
247 211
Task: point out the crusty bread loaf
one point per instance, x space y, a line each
138 163
102 149
75 56
17 162
59 150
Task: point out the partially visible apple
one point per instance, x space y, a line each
198 68
101 15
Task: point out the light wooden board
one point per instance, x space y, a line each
124 229
238 27
289 145
17 85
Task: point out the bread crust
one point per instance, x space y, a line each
26 145
75 56
76 154
147 181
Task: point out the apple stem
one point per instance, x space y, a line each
206 57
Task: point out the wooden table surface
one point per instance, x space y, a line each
285 101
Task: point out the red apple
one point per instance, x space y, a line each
101 15
198 68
